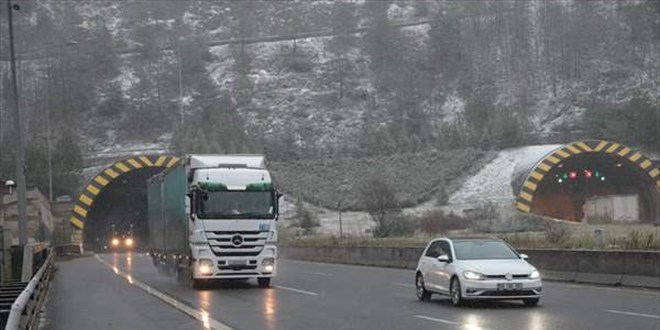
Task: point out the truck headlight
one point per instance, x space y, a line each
268 261
473 276
205 266
115 241
535 274
129 242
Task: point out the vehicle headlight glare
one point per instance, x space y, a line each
115 242
535 274
205 266
268 269
473 276
129 242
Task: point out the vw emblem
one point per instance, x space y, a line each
237 240
508 276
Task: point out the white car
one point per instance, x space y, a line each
471 268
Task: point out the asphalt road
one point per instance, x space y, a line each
93 293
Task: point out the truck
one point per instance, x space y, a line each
212 217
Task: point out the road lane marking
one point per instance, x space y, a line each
318 274
470 326
632 314
309 293
405 285
436 320
200 315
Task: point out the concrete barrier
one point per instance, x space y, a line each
630 268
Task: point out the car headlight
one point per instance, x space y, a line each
205 266
473 276
535 274
129 242
115 241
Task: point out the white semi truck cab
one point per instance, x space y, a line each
232 210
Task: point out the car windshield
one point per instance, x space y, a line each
236 205
481 249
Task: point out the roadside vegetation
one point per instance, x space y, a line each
413 178
538 234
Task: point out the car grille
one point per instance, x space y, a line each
517 276
508 293
222 246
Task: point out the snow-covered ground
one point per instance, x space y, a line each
493 182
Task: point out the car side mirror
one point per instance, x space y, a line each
444 258
524 256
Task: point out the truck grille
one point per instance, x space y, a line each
251 243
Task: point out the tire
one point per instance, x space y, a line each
420 290
263 282
455 293
531 302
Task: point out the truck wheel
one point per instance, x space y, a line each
264 282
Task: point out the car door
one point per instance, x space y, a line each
427 264
443 269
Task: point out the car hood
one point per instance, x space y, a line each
497 267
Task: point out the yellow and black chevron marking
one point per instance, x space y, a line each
86 198
636 158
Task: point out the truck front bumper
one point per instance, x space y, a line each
237 267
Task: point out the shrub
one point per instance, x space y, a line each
435 222
556 232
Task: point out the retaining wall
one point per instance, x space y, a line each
630 268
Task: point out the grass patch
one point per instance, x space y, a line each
414 177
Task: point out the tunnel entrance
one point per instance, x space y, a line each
114 202
591 180
120 210
565 190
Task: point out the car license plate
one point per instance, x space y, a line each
236 262
509 286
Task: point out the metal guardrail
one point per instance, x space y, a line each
25 310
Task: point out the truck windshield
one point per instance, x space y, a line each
236 205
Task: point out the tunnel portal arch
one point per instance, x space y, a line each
91 191
528 181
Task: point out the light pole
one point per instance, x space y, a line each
20 154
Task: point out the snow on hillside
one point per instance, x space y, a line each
493 182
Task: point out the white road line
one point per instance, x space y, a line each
463 325
405 285
200 315
436 320
309 293
633 314
319 274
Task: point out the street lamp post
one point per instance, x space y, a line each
20 154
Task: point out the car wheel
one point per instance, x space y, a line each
456 294
531 302
422 294
263 282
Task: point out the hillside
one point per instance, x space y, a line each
140 75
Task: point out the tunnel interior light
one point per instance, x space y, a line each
597 173
560 180
572 175
588 174
602 178
619 165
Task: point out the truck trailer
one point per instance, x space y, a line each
213 217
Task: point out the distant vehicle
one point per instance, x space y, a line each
213 217
121 242
476 268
